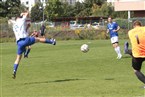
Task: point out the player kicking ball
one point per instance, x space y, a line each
28 48
137 39
23 40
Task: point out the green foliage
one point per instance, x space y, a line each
120 14
3 21
78 7
3 9
68 10
37 12
104 10
89 3
96 10
86 12
11 8
54 9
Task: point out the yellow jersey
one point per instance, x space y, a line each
137 39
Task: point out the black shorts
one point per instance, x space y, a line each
115 42
137 63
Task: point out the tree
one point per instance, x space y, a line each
78 7
68 10
3 9
54 9
36 12
107 10
96 11
119 14
10 8
89 3
84 13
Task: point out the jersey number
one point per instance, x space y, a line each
137 39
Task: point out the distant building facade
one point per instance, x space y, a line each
137 6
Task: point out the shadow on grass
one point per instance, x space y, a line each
109 79
55 81
125 56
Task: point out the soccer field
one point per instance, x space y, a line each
64 71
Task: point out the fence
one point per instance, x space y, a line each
127 24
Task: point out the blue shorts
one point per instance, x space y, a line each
22 43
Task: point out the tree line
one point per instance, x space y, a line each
56 8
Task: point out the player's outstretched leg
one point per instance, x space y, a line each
22 44
140 76
50 41
126 45
127 50
46 40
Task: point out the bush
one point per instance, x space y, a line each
68 34
62 33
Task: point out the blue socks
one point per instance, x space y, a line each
15 67
49 41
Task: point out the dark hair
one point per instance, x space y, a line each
110 17
18 16
137 23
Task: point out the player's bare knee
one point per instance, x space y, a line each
115 45
136 71
37 39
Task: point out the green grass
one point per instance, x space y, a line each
64 71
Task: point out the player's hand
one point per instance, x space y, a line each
114 30
35 34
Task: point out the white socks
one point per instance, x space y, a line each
117 50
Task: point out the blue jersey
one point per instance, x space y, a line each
112 26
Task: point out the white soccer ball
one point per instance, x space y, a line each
84 48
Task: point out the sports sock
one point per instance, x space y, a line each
140 76
15 67
48 41
118 50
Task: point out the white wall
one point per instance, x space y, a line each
123 0
31 3
80 1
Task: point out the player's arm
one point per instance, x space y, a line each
25 14
35 34
28 26
107 31
44 28
118 28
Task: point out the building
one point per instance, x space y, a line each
137 6
30 3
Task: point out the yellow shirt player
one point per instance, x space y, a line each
137 39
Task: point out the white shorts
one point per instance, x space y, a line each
114 39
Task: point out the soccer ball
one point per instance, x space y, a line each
84 48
